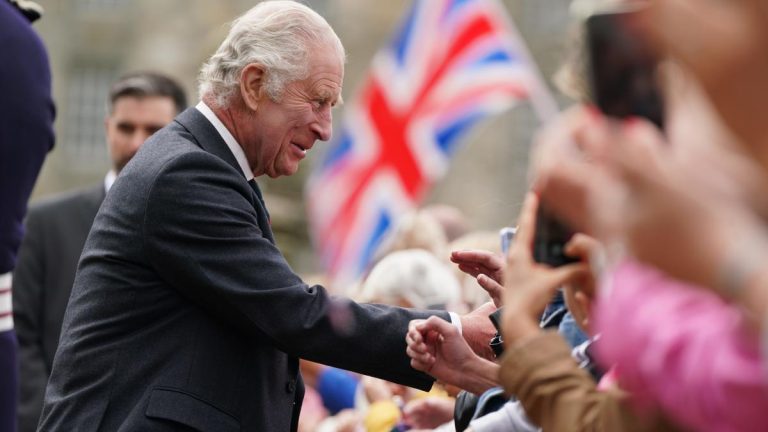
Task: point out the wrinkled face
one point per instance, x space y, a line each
284 130
132 121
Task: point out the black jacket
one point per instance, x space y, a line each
56 229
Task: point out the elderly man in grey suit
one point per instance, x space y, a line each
184 314
140 104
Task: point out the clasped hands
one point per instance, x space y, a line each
436 347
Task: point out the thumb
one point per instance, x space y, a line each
434 324
560 275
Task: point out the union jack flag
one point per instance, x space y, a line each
452 63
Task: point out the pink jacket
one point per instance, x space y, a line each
682 349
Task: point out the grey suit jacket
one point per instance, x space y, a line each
56 229
185 316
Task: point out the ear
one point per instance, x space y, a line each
251 81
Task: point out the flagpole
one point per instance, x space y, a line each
543 102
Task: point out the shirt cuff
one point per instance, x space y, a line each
455 320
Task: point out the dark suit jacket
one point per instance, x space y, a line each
184 313
56 230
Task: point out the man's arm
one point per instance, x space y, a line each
202 236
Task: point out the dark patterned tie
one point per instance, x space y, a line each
255 187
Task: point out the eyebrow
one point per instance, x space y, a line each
327 95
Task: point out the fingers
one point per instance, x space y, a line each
637 153
526 223
477 262
555 142
437 325
581 246
561 275
414 338
471 270
421 362
565 190
477 258
421 357
493 288
422 338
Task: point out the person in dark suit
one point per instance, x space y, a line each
184 315
140 104
26 136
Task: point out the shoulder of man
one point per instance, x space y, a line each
74 198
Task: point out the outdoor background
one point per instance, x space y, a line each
92 42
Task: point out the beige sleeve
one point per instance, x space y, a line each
558 395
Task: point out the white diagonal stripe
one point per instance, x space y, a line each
5 302
6 322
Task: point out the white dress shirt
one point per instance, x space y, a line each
232 143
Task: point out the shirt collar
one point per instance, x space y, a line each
232 143
109 180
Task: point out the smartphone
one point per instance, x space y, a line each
622 66
550 238
506 235
623 83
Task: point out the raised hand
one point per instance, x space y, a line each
724 44
486 267
529 286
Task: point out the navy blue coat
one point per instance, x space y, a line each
26 124
26 135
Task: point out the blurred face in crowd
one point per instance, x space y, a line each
278 133
132 121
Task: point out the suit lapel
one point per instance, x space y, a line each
207 136
209 139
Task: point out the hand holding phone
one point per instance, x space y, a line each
624 83
622 66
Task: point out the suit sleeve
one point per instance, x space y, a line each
202 236
27 303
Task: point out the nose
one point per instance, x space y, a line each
138 138
323 126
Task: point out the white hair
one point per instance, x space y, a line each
414 275
279 35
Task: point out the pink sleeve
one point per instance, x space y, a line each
682 349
